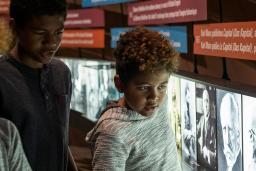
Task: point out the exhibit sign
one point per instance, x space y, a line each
82 18
91 3
84 38
4 6
232 40
176 34
166 11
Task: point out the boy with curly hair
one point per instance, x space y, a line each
135 134
35 88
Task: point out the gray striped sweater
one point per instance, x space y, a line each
125 140
12 156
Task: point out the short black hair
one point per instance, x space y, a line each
23 11
142 50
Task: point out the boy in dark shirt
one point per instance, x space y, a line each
35 89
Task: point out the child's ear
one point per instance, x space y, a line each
118 83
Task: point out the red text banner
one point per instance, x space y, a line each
82 18
166 11
83 38
4 6
233 40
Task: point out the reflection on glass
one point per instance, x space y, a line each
92 86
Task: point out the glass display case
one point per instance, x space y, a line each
92 86
214 125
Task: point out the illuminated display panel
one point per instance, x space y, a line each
92 86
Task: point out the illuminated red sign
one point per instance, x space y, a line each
233 40
4 6
84 38
85 18
166 11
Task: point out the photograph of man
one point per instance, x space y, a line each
206 127
188 124
174 109
229 131
249 133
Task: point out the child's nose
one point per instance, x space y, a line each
153 94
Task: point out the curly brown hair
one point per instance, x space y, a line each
5 37
143 50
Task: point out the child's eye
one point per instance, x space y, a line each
143 88
162 87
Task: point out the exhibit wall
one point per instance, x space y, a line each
215 125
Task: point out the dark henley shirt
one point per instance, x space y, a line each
37 101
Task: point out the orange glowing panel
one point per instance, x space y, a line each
232 40
83 38
4 6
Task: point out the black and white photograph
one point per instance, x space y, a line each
206 127
229 132
173 92
188 125
249 133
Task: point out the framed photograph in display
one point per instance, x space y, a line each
188 125
173 93
229 132
249 133
206 127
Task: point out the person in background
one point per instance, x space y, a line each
35 88
206 133
231 134
135 134
12 156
